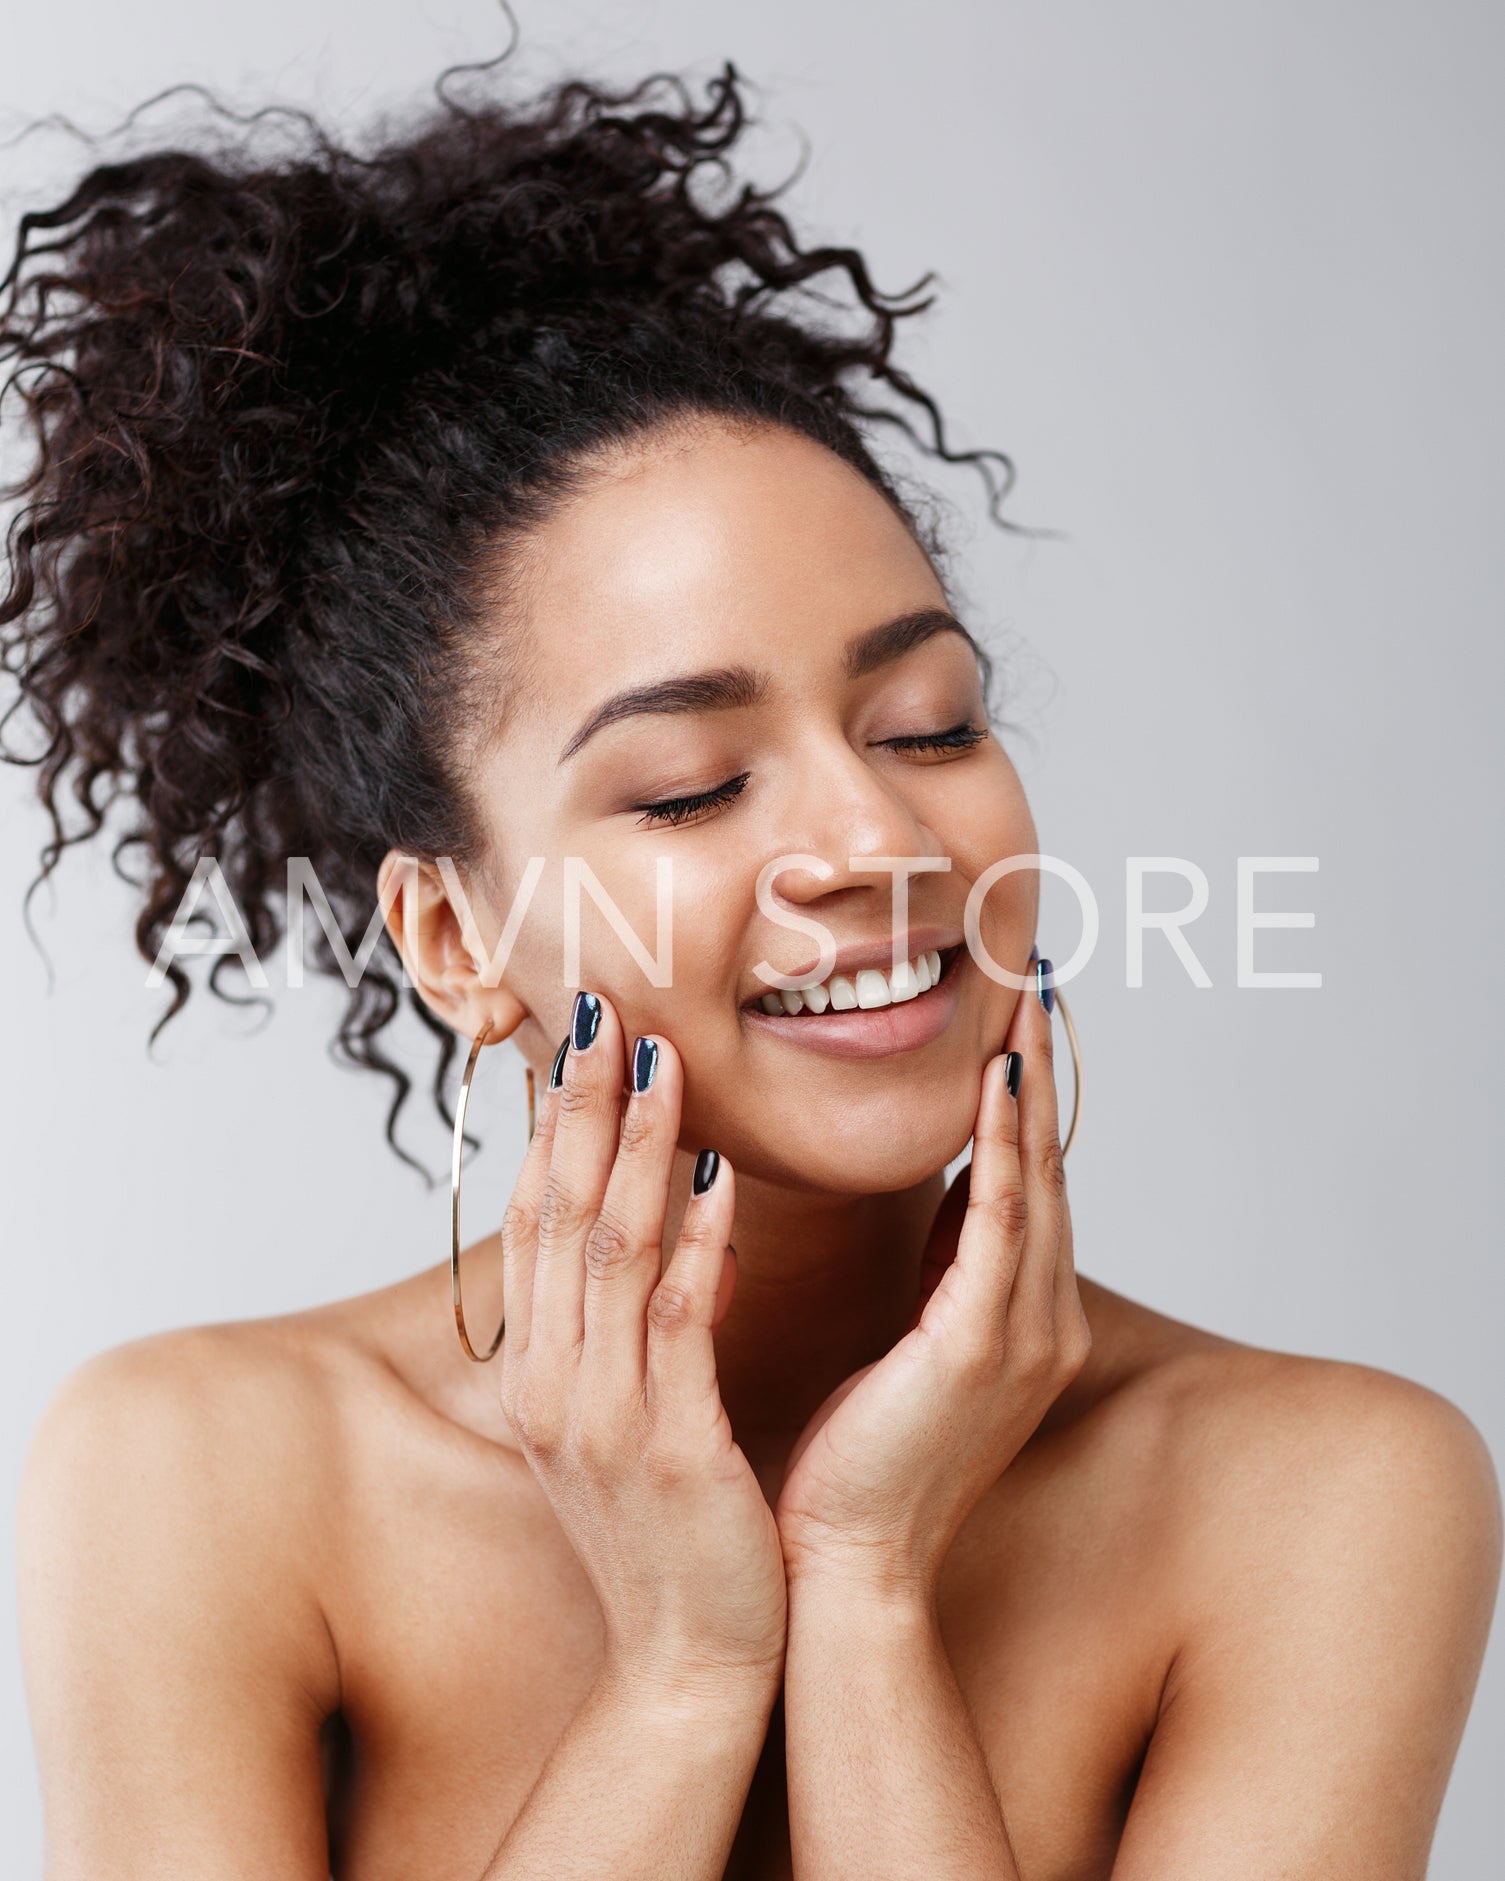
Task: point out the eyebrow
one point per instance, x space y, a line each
731 687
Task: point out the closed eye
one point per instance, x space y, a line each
673 810
959 738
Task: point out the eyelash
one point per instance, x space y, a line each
673 810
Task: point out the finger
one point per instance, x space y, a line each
586 1125
1065 1284
940 1244
624 1248
520 1225
991 1241
682 1309
1040 1157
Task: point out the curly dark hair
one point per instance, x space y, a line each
286 413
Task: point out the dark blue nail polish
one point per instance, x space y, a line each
1043 971
706 1165
1034 954
556 1070
1013 1071
644 1064
584 1021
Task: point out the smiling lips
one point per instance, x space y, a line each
870 1013
868 988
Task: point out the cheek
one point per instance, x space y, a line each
991 824
701 937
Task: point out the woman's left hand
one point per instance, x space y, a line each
885 1473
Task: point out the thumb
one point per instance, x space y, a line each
821 1415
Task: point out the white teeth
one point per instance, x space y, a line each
904 982
870 987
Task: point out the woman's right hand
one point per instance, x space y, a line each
609 1374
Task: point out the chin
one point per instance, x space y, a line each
873 1158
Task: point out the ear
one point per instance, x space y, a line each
435 939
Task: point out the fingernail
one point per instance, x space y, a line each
1043 971
584 1021
1034 955
706 1165
1013 1071
556 1070
644 1064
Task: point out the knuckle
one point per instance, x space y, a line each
1069 1362
1076 1343
664 1463
1050 1164
1004 1127
638 1130
519 1223
1008 1212
560 1214
698 1230
536 1424
581 1097
608 1248
593 1450
671 1307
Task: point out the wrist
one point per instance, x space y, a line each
861 1593
696 1695
829 1568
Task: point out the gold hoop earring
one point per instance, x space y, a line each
454 1196
1076 1073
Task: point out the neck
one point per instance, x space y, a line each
826 1284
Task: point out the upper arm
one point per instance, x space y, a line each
177 1665
1312 1714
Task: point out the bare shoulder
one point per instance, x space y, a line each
1324 1446
199 1410
192 1459
173 1528
1323 1546
195 1375
1289 1473
226 1460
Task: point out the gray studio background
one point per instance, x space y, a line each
1227 282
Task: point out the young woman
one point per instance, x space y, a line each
503 495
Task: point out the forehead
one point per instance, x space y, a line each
712 544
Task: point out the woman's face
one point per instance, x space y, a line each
756 572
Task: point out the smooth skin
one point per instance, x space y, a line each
887 1546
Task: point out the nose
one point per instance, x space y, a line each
844 810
